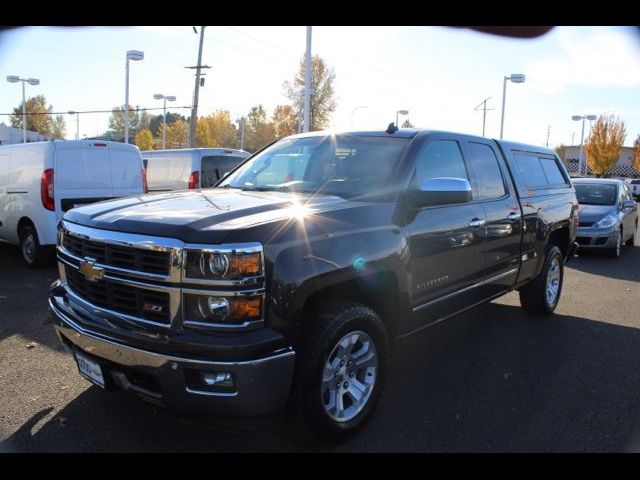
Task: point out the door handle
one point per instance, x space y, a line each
477 222
513 216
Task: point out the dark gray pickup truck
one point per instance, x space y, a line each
287 284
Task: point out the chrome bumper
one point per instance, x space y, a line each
261 385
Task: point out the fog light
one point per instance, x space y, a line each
217 379
213 308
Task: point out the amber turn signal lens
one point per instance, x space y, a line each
245 265
249 308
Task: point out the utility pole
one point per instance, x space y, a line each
307 82
548 131
484 113
194 110
573 135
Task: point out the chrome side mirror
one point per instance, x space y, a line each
441 191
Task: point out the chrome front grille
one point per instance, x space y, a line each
142 278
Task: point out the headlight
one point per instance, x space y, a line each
606 222
223 265
222 310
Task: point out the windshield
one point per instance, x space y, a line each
596 194
342 165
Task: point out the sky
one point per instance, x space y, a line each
438 74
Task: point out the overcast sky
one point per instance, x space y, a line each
439 74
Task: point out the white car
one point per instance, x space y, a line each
634 186
40 181
189 168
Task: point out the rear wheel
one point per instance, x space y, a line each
615 251
33 254
542 294
340 371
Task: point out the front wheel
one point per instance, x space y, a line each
542 294
340 370
615 251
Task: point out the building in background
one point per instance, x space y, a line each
622 168
9 135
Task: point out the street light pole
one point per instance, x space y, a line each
401 112
77 114
515 78
171 98
354 111
307 82
30 81
577 118
134 55
240 122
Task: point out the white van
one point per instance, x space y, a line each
189 168
40 181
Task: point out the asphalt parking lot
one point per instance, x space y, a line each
493 379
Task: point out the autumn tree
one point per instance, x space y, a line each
223 132
323 99
58 127
178 134
604 143
38 116
155 123
144 139
137 120
203 135
258 131
285 121
636 153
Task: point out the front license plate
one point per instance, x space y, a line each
90 369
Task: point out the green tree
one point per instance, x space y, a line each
58 127
178 134
257 131
223 131
323 99
604 143
38 116
636 153
407 124
116 121
155 123
285 121
144 139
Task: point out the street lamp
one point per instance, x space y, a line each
171 98
354 111
577 118
134 55
30 81
401 112
77 114
240 121
515 78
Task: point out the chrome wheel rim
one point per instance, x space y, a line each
553 281
29 248
349 376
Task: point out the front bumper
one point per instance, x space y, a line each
592 238
261 385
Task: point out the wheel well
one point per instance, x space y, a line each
379 292
560 238
23 222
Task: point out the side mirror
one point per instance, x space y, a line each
628 204
441 191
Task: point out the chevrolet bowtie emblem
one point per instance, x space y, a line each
90 271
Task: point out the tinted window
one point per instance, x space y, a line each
214 167
552 171
487 176
531 171
441 158
596 193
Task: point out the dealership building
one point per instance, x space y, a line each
10 135
622 168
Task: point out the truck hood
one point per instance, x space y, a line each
593 213
200 215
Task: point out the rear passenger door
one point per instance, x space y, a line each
495 191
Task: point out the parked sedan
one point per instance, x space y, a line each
608 214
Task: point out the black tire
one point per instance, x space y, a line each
334 320
533 296
632 241
33 254
615 251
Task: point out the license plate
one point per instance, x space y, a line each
90 369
